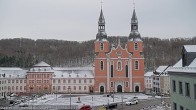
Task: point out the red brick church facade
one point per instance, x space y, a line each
119 69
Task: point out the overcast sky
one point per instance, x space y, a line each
76 20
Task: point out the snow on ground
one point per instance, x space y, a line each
161 108
93 100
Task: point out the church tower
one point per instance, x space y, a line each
135 48
100 61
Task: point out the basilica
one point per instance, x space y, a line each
119 69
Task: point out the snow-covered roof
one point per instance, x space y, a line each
10 68
73 68
136 39
42 64
74 74
148 74
160 69
178 64
193 63
14 73
190 48
102 39
41 69
183 69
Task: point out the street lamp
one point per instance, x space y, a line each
92 102
122 101
56 92
10 92
69 90
113 95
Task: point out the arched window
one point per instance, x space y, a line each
101 65
136 65
136 46
119 66
126 71
101 46
112 71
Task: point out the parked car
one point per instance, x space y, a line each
23 105
132 102
111 105
85 107
13 94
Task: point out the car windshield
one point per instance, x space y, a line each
131 100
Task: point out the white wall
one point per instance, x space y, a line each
2 87
82 84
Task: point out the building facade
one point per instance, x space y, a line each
148 81
74 80
119 69
3 92
161 80
183 88
39 78
183 80
12 80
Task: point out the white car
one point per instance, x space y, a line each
132 102
23 105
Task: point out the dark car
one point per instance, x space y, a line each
86 107
111 105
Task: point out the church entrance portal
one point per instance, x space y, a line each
137 89
119 88
101 89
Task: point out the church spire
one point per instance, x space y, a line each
134 28
134 22
101 27
101 19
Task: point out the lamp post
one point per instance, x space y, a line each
92 102
113 95
69 89
10 92
56 92
122 101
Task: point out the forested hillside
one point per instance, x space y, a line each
26 52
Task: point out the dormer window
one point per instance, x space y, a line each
101 46
10 76
17 75
69 75
135 46
62 75
85 75
44 69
